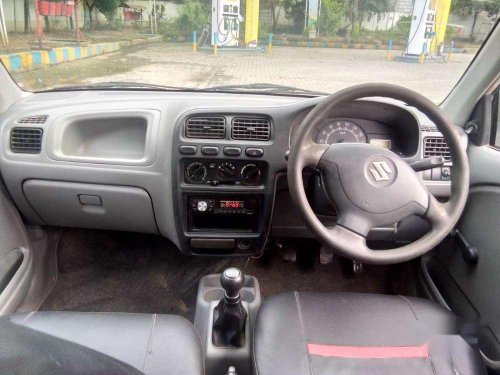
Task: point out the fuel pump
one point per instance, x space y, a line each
226 19
422 28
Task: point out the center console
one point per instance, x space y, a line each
222 184
226 310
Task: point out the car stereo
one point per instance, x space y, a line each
223 205
224 212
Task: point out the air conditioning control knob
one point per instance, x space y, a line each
250 174
196 172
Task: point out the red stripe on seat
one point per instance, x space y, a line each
369 351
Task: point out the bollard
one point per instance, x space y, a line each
270 46
450 51
194 42
421 58
389 50
215 40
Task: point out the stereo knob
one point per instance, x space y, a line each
196 172
250 174
202 206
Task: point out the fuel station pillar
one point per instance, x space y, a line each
252 23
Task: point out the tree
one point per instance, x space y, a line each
330 16
474 7
90 4
275 7
295 10
359 10
107 7
27 25
193 15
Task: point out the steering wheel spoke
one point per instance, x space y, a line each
355 223
347 237
313 152
437 213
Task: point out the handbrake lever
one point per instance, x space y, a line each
428 163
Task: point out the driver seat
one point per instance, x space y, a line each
346 333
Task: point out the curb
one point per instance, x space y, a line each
325 44
26 61
308 44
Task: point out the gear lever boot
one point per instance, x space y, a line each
230 316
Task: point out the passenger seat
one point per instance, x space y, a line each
119 342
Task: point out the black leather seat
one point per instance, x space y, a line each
315 333
152 344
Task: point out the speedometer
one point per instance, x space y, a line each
341 131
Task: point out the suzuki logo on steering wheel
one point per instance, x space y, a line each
380 170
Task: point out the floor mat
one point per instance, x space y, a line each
130 272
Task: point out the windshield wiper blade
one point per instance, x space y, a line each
269 88
118 86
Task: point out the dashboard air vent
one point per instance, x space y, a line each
26 140
251 129
205 127
37 119
429 128
436 146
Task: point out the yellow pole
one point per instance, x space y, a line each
251 22
450 51
442 13
389 51
270 46
194 42
215 39
421 58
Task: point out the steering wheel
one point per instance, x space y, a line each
371 186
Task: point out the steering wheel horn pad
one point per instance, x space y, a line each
370 186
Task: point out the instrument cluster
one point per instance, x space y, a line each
348 131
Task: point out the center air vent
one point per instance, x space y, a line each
26 140
251 129
205 127
436 146
37 119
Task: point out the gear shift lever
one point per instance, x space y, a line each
230 316
232 281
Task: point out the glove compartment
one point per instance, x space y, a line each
70 204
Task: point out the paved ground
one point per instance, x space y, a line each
316 69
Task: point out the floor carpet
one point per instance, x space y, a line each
129 272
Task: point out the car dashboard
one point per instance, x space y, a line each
205 170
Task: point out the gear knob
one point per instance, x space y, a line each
232 280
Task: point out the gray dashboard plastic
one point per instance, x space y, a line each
125 137
155 177
72 204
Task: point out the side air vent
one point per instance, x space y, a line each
26 140
34 120
436 146
251 129
205 127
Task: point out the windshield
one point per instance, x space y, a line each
292 47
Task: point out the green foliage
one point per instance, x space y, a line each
359 10
295 10
470 7
474 7
107 7
193 16
330 17
402 29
